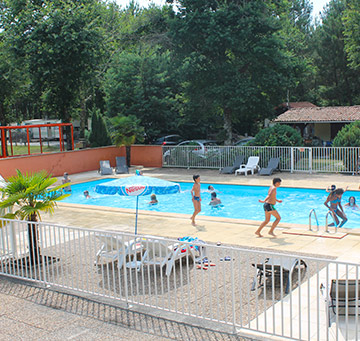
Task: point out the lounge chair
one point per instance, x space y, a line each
276 266
342 298
251 166
159 252
121 167
272 165
118 249
231 169
105 168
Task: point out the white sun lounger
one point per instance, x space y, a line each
251 166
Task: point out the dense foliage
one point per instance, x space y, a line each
349 136
99 135
209 69
126 130
278 135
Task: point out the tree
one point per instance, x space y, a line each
126 130
140 79
278 135
58 42
27 195
351 21
233 59
337 83
99 135
143 84
349 136
296 32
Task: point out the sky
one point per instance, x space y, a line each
318 4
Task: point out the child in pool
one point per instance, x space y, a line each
352 204
212 189
334 199
331 188
214 200
86 194
153 200
66 180
196 198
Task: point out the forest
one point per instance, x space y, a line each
199 68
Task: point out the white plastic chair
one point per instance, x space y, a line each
159 252
251 166
117 248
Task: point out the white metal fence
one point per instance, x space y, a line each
293 159
252 291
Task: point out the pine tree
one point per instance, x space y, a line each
99 135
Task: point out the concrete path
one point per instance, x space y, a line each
34 313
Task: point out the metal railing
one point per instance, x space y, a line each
232 286
327 221
313 212
292 159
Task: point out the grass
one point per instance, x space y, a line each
23 150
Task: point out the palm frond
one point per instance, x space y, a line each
33 193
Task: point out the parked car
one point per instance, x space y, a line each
169 140
200 147
244 141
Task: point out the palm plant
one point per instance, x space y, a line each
27 195
125 131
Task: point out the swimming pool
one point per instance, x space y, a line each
239 202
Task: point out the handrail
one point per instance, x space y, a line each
317 222
326 222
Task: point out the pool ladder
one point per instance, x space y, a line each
317 222
326 222
313 212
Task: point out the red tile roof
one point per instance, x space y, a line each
320 114
298 105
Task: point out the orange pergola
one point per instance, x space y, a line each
4 129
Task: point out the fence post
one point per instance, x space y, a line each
310 160
292 160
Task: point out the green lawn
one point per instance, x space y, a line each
23 150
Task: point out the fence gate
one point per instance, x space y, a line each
301 159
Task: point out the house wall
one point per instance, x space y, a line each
323 131
77 161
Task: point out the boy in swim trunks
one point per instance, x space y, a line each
269 208
196 199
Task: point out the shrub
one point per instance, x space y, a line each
99 135
348 136
278 135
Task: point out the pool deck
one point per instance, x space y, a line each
344 244
80 320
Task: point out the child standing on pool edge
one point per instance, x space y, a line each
196 199
269 208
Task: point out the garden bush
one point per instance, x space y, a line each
278 135
349 136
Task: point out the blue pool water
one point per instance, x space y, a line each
239 202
